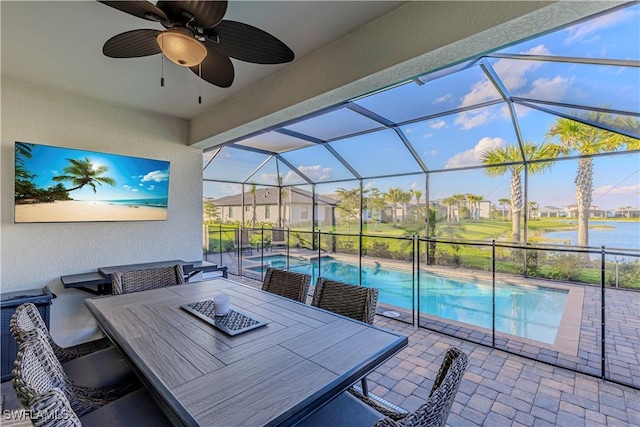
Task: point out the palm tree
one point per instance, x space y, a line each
449 202
405 198
587 140
474 206
533 208
417 194
282 198
252 193
83 172
498 160
458 200
503 203
24 187
393 197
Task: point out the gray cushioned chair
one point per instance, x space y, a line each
352 409
142 280
101 368
37 370
287 284
52 409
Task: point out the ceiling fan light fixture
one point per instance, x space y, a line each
181 49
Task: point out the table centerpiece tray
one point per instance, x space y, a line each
233 323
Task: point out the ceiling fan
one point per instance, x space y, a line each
197 37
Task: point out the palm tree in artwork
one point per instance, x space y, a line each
83 172
503 159
587 141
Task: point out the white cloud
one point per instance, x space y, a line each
511 72
433 152
438 124
473 156
578 32
141 185
611 189
151 187
127 187
134 190
316 172
471 119
156 176
549 89
427 135
442 98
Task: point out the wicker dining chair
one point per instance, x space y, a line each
98 367
141 280
26 321
37 370
52 409
287 284
352 406
356 302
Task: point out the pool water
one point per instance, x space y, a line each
276 261
525 311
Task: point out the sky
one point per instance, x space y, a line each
450 141
136 178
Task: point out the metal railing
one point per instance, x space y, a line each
602 284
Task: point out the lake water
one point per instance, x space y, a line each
624 235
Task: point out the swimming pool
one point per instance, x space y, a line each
277 261
526 311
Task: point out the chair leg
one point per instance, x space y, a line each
365 387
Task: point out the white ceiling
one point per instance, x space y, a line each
58 44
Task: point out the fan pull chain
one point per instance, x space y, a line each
162 62
200 83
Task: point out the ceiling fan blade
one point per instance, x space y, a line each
132 44
217 68
206 13
248 43
141 9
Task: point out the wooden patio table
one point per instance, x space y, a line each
272 375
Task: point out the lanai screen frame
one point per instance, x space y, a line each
371 122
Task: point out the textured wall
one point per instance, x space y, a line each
34 255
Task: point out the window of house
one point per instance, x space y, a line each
267 212
304 212
230 211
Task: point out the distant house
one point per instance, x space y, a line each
550 212
297 207
626 212
572 212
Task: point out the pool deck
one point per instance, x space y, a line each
582 328
499 388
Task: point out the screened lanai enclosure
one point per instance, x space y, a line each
496 200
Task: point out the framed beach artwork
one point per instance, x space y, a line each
57 184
